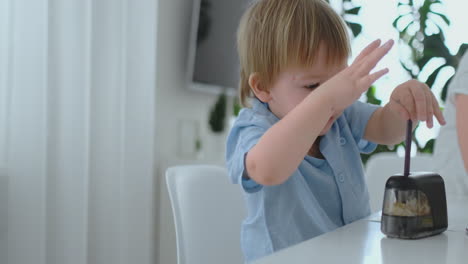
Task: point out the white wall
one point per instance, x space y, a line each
175 102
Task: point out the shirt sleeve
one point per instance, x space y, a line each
460 81
248 184
357 116
239 142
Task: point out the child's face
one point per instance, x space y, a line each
295 83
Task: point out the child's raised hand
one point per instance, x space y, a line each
348 85
414 100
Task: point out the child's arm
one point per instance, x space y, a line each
280 150
461 103
410 100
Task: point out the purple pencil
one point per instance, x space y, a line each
409 130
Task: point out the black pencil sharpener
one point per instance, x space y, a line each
414 206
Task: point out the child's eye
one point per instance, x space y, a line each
312 86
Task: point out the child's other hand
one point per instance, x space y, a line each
414 100
348 85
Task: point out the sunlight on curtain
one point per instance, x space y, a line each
77 126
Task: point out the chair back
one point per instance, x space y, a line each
381 166
208 211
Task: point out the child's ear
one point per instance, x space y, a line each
258 89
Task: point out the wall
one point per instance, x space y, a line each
176 103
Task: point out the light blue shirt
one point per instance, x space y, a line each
320 196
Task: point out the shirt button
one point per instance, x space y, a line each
342 141
341 177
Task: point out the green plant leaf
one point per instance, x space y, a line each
434 46
405 29
236 107
371 98
429 147
395 22
444 17
218 114
461 51
353 11
432 77
443 93
355 28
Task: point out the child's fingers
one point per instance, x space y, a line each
369 62
429 109
368 80
407 101
437 112
419 99
400 109
372 46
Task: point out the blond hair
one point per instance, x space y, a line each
274 34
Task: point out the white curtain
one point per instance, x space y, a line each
77 129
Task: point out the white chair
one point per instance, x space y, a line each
208 212
381 166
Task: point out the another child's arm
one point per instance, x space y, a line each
461 104
281 149
410 100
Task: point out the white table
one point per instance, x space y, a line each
363 242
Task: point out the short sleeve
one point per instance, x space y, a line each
459 84
240 141
357 116
248 184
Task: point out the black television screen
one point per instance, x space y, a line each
214 63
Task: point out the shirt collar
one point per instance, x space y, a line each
263 108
